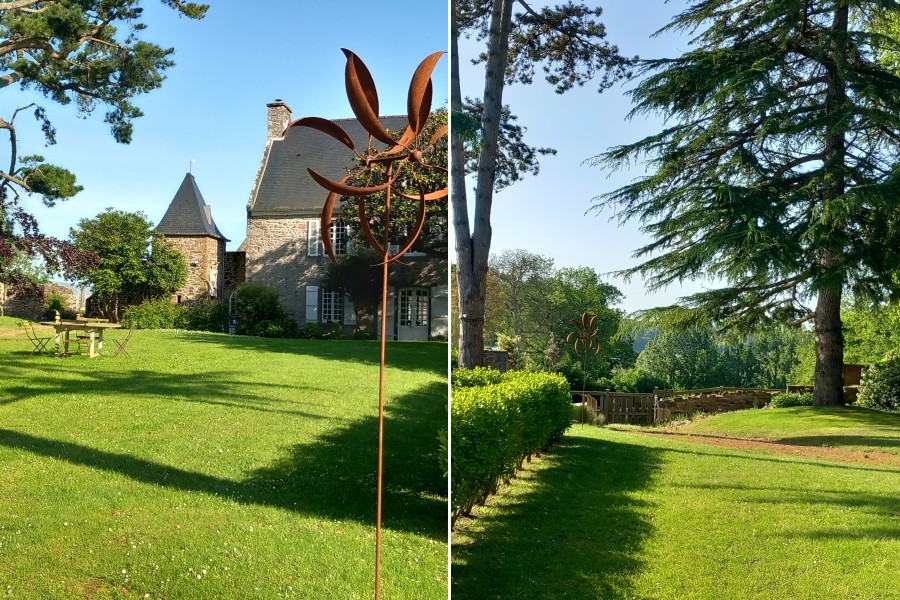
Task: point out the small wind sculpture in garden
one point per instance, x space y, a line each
583 339
382 169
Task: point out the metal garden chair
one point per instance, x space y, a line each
122 343
40 343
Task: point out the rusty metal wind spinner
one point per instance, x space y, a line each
384 165
583 340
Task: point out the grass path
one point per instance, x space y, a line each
617 515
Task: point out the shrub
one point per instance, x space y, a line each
787 399
57 302
476 377
259 312
499 420
583 413
363 334
205 315
880 385
320 331
635 381
443 451
154 314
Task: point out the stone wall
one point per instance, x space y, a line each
496 359
277 256
30 305
712 403
205 257
20 305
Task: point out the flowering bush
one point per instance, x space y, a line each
880 385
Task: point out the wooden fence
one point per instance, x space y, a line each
636 409
662 405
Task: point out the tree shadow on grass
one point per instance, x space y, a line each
407 356
333 477
702 449
576 533
881 505
839 441
22 380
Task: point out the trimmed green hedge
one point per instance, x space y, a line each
498 424
202 315
788 399
476 377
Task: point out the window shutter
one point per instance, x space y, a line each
312 304
349 315
313 239
349 240
440 300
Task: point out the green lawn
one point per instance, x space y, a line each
618 515
850 427
214 466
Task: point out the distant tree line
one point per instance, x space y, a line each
532 303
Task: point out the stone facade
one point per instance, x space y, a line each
205 257
282 247
278 256
235 271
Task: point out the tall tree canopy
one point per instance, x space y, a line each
538 303
568 43
136 263
777 170
86 52
404 213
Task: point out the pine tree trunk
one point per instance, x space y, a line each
829 384
471 320
470 326
473 251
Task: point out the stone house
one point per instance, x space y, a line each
283 247
188 226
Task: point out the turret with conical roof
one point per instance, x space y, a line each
188 227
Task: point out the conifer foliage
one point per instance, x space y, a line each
776 172
88 53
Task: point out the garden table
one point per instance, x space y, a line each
93 330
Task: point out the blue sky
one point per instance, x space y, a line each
212 107
546 214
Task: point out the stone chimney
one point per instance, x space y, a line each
279 118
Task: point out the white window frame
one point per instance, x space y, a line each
341 242
414 307
332 307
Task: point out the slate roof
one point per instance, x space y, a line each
188 214
285 185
